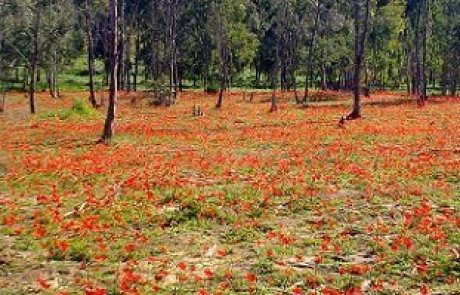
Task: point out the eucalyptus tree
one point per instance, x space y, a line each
273 32
386 59
22 33
313 24
89 11
58 34
362 11
446 43
113 58
418 16
196 41
235 43
40 34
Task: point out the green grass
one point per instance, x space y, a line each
79 109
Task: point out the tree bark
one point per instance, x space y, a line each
136 60
172 39
113 52
360 42
274 74
34 60
223 73
122 47
424 96
223 56
90 53
311 48
418 64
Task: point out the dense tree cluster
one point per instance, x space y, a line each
217 44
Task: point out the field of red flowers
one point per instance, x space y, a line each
239 201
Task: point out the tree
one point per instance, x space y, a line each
446 43
417 12
58 40
113 57
311 48
172 21
221 35
221 44
235 44
90 50
34 55
385 64
361 30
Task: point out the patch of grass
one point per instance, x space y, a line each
79 109
79 251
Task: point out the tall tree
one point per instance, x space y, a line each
34 56
172 20
311 48
361 29
90 51
113 57
222 45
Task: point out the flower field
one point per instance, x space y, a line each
239 201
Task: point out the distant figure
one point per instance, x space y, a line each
342 122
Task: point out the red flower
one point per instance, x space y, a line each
129 248
330 291
95 291
251 278
62 245
359 269
354 291
422 268
297 291
43 283
208 273
424 290
182 266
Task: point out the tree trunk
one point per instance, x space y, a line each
128 64
113 52
172 40
34 61
136 60
274 73
323 77
90 53
122 46
424 96
454 79
223 73
273 104
360 42
3 106
311 48
51 77
418 75
223 55
408 63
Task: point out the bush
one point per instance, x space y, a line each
160 95
212 89
81 108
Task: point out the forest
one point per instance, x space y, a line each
229 147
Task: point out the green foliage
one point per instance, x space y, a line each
79 109
259 35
